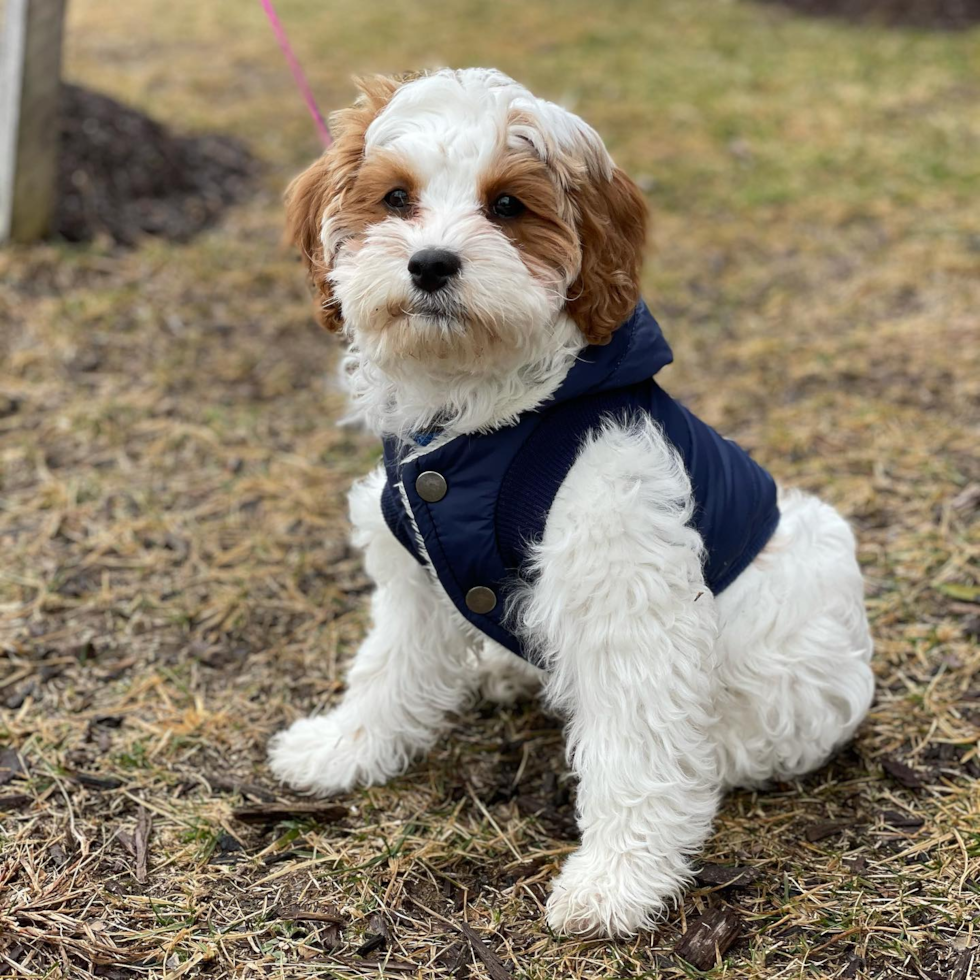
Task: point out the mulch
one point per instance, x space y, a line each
124 175
931 14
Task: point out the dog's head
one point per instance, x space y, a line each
456 217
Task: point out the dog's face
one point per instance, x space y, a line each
456 217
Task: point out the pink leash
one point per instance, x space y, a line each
301 83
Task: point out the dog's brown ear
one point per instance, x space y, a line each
612 231
306 200
319 191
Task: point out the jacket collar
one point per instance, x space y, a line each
636 351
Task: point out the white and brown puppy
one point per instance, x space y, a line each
470 241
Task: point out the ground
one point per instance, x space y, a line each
176 585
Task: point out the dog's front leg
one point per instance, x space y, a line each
411 671
627 629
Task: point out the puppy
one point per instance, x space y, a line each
546 514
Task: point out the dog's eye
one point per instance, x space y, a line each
507 206
398 199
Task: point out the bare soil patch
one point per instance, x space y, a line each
124 175
936 14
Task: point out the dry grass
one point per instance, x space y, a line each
176 584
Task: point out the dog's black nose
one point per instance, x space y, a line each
432 268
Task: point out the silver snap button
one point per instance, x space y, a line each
431 486
480 600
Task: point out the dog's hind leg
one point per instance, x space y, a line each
505 677
794 649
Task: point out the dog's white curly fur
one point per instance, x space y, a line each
671 694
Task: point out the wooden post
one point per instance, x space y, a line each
30 78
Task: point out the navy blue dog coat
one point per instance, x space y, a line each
480 502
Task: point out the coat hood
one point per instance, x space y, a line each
635 352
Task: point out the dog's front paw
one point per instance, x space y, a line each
601 898
326 755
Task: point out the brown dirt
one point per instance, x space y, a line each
936 14
125 175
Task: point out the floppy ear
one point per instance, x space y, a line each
612 225
319 191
